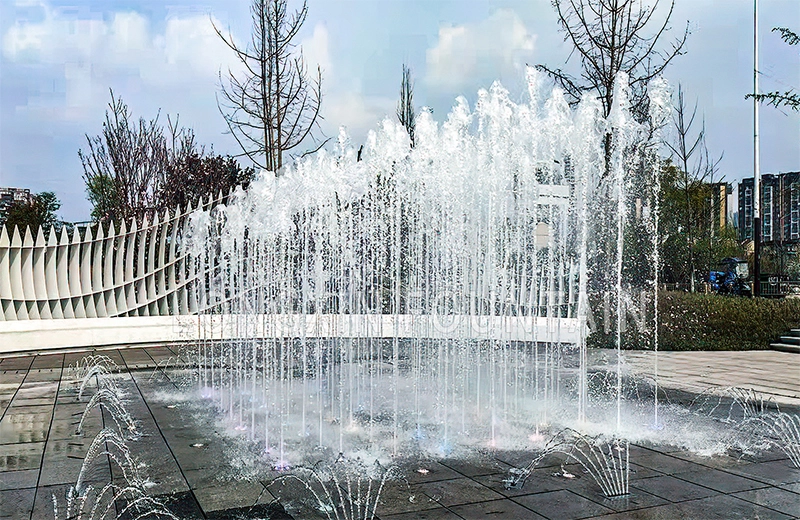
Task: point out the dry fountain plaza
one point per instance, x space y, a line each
191 470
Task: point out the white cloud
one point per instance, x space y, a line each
479 51
316 52
96 53
356 112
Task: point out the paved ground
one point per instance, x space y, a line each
40 456
772 373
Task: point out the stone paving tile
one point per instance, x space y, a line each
397 497
773 498
505 509
672 489
158 465
521 458
775 473
720 507
43 505
427 471
63 461
538 482
722 481
189 478
635 500
232 495
477 467
16 432
16 503
731 460
436 514
16 457
25 478
660 462
458 491
639 472
205 477
183 505
561 505
67 429
794 486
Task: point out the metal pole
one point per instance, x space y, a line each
756 165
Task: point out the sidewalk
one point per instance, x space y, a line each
185 457
774 374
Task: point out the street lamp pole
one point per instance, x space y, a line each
756 164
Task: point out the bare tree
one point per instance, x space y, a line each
272 106
124 167
695 177
405 106
613 36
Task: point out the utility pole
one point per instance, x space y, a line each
756 165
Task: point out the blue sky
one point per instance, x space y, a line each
59 58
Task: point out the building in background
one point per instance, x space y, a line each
780 208
8 196
780 230
720 191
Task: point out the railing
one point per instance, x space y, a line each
779 288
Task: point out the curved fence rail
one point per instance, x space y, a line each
136 270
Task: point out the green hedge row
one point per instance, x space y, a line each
696 321
710 322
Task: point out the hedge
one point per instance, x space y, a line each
696 321
692 321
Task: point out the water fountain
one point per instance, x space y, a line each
344 490
431 298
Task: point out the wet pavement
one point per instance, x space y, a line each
41 456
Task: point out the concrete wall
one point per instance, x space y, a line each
34 335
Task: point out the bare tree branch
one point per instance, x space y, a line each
274 107
613 36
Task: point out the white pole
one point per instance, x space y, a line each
756 143
756 163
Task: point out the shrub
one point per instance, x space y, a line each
697 321
711 322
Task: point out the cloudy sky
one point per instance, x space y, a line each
60 57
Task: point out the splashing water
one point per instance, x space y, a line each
127 496
782 430
98 368
344 490
84 502
423 298
110 401
606 461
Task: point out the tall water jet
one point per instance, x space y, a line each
427 298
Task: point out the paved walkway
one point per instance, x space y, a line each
774 374
40 456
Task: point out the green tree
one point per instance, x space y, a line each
689 199
124 167
41 212
789 98
405 106
104 197
198 177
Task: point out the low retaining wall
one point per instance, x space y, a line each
34 335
